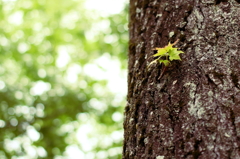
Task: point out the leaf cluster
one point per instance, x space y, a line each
166 54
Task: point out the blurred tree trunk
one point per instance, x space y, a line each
193 111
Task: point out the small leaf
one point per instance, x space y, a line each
174 54
168 47
160 52
165 62
163 51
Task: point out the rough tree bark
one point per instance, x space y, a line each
193 111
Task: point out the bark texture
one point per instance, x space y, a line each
193 111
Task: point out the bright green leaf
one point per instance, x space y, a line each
174 54
165 62
161 52
168 47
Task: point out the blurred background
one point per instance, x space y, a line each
62 78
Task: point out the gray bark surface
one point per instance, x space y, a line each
193 111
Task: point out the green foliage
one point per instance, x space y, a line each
166 54
56 94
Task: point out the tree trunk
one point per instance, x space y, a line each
193 111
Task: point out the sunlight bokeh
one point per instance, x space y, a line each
62 78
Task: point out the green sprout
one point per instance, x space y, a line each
166 54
